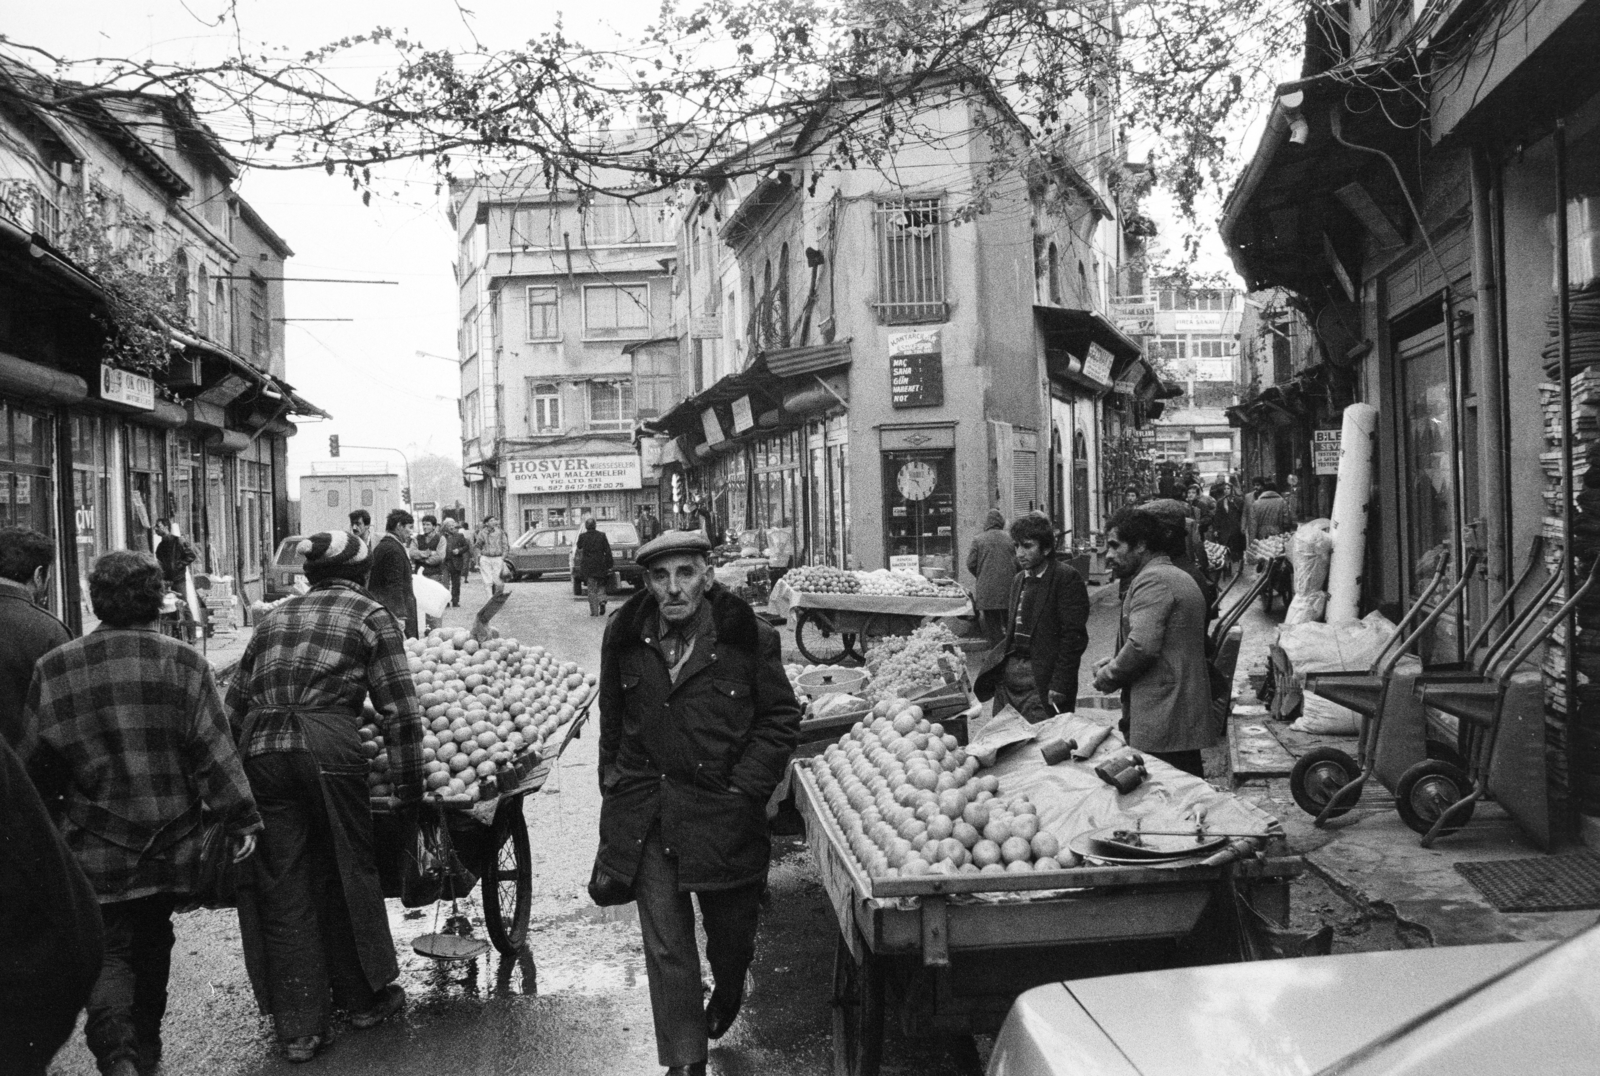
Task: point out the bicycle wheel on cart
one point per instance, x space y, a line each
508 879
819 639
857 1011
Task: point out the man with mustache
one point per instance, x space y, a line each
697 723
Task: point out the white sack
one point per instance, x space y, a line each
433 598
1309 551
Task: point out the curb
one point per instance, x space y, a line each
1379 909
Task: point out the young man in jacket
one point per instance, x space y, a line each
1160 667
697 724
1035 667
389 578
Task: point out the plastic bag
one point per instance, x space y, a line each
1309 552
433 597
1350 646
1306 608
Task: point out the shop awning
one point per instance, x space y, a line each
1083 349
766 380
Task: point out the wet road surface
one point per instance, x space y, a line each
576 1002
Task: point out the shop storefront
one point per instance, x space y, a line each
919 497
560 491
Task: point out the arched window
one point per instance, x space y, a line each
782 312
221 325
1053 267
180 283
1083 286
203 302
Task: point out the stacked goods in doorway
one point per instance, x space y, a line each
1572 734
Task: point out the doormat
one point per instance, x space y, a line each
1563 883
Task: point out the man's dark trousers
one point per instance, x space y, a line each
130 997
455 585
672 955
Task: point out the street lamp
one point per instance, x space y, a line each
434 355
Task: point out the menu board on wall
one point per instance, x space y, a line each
916 369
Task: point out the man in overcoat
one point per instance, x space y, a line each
132 743
28 631
1035 667
311 914
1160 667
697 723
389 578
993 563
592 561
457 558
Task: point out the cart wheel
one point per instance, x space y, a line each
878 626
508 881
857 1013
817 638
1427 790
1317 775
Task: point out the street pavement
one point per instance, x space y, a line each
576 1003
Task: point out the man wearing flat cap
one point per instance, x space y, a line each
697 723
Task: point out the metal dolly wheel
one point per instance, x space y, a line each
1327 782
1437 798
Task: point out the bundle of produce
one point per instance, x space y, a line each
901 665
910 802
822 580
486 703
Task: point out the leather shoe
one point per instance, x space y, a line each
696 1069
721 1012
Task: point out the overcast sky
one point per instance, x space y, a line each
366 371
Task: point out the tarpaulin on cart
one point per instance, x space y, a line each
1071 799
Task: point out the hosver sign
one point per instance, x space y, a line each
572 474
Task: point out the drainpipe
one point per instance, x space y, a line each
1487 375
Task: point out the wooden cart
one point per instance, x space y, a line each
490 841
828 628
953 962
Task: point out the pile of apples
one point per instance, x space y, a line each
485 702
910 802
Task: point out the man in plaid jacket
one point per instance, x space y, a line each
311 913
131 744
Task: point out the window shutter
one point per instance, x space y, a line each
1025 482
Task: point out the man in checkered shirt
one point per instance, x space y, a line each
131 743
311 913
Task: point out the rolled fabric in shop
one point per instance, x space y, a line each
1349 513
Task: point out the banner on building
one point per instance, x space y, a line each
1097 363
743 416
1325 451
705 326
573 474
710 425
127 387
1199 321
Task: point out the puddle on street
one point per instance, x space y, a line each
568 946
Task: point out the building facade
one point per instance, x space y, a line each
1424 194
566 341
111 421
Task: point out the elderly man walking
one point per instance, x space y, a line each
592 562
697 723
992 562
315 930
27 630
132 744
1160 666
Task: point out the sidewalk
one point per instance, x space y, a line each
1370 856
224 650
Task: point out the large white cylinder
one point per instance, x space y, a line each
1350 503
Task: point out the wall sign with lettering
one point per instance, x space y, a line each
916 369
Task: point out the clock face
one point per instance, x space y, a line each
916 480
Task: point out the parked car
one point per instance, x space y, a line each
1492 1010
552 550
285 571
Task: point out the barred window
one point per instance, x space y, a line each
911 261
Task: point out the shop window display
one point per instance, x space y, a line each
919 506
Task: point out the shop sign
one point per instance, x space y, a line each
1198 321
573 474
1325 451
127 387
705 327
1126 388
908 562
743 417
424 508
712 427
1217 369
1097 364
916 369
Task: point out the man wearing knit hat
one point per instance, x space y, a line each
315 931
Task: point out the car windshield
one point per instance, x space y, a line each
289 553
620 533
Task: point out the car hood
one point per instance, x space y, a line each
1264 1018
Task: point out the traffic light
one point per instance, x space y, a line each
405 494
333 444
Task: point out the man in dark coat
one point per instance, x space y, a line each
132 744
27 630
51 935
174 555
697 724
992 561
389 578
592 561
457 558
1035 667
311 914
